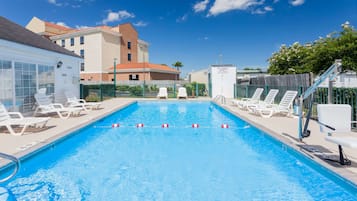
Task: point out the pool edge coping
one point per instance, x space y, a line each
341 172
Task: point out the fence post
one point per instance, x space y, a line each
235 90
144 89
81 91
101 91
174 89
266 89
246 91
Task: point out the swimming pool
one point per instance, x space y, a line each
100 162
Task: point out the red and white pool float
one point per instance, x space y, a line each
115 125
224 126
140 125
195 125
165 125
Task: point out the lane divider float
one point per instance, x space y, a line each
224 126
115 125
195 125
139 125
165 125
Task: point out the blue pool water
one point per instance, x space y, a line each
178 163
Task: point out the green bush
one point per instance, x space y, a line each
92 97
136 91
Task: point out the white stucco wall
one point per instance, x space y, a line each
223 79
110 50
66 77
200 76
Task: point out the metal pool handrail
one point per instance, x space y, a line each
17 166
220 98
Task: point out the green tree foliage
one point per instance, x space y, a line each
178 65
317 56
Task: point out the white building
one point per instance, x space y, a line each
222 80
199 76
29 62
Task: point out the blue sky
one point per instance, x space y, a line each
199 32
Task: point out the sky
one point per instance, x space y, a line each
199 33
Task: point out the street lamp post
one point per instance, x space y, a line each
115 76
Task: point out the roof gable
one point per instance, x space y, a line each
13 32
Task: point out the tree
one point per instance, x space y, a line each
290 60
178 65
317 56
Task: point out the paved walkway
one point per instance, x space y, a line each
315 146
283 128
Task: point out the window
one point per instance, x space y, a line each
82 66
133 77
81 40
46 78
82 53
63 43
72 41
6 86
129 57
25 86
129 45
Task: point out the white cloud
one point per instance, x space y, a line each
200 6
182 19
262 10
268 8
61 24
117 16
54 2
140 24
81 27
297 2
222 6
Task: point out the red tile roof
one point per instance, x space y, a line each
57 26
144 65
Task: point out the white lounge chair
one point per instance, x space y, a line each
269 99
10 119
284 107
45 107
73 101
182 93
162 93
335 119
242 103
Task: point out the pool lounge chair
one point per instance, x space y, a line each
269 99
46 107
335 120
11 119
242 103
182 93
73 101
162 93
283 108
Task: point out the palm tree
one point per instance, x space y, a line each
178 65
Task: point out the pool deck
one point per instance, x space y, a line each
283 128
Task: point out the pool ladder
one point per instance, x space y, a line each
220 99
17 166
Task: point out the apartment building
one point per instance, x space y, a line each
101 47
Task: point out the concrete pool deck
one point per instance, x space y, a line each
282 128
